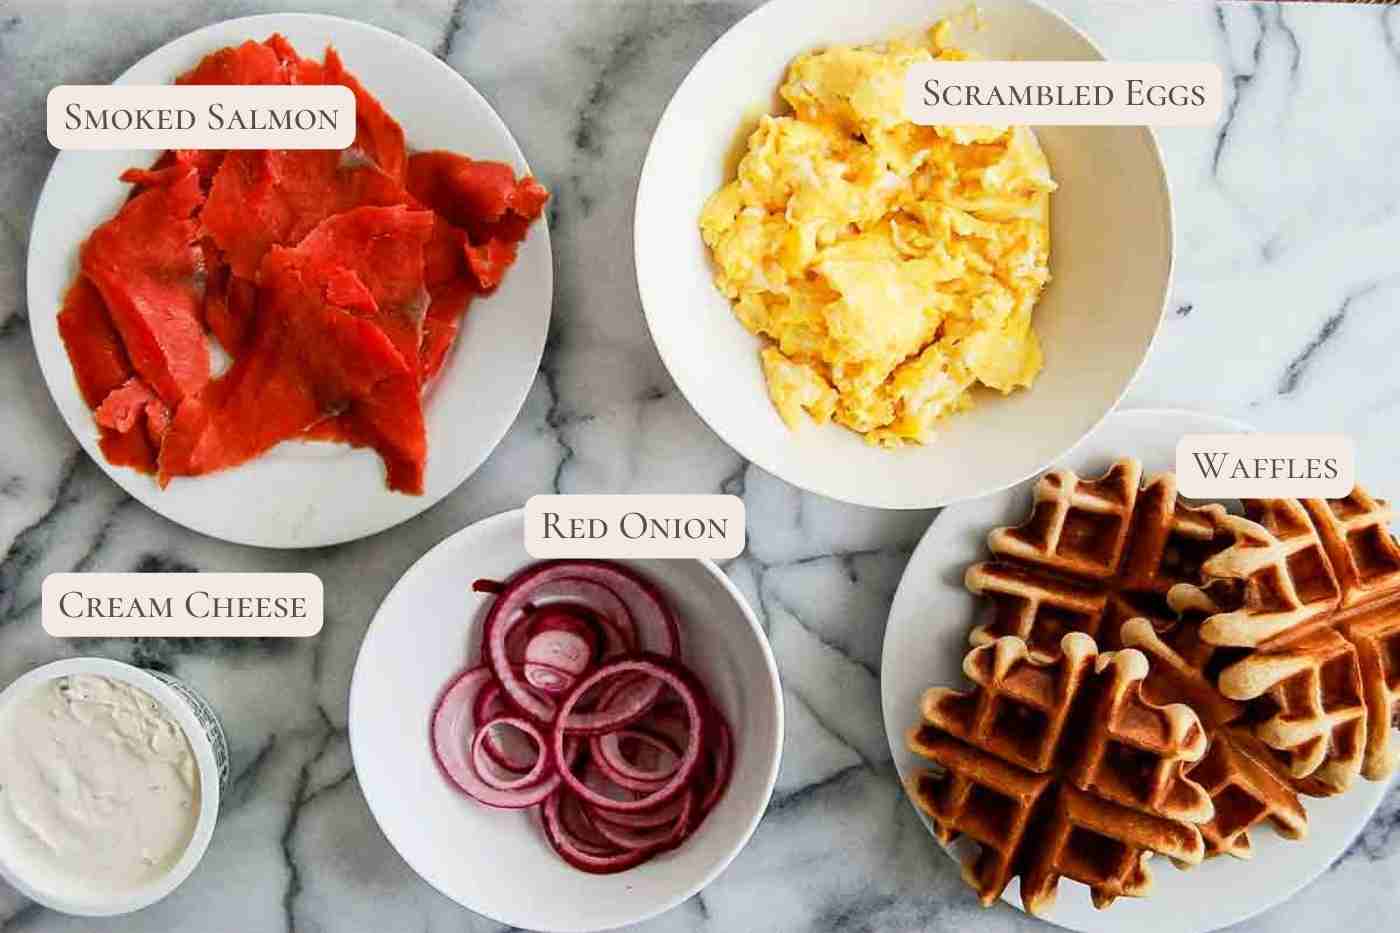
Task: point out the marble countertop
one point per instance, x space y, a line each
1288 217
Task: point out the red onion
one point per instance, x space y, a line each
482 761
607 753
452 735
662 669
582 854
491 704
610 610
721 766
666 835
582 660
656 627
658 631
660 815
561 649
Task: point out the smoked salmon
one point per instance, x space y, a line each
484 212
334 282
306 360
145 264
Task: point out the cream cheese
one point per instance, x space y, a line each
99 787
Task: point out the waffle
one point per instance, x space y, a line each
1038 571
1060 768
1312 591
1238 772
1093 554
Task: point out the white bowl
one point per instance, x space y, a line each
206 738
497 862
1110 254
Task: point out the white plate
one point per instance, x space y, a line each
498 863
1110 255
927 639
310 494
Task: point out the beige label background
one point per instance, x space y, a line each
613 515
182 589
1115 75
198 98
1298 449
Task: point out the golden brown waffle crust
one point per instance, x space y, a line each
1316 602
1092 553
1239 775
1117 776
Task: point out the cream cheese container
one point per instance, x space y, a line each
110 781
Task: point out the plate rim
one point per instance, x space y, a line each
870 495
773 686
894 739
43 327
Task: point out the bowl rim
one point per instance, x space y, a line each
871 494
181 711
773 752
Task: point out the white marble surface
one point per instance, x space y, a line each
1286 303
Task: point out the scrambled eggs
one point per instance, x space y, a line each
890 267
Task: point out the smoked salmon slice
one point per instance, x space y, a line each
249 63
445 312
298 70
93 344
471 193
229 301
101 367
450 287
378 136
125 406
336 334
265 198
134 408
484 211
146 265
305 360
371 259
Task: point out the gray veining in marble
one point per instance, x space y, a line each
1288 215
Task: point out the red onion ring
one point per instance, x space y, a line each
579 615
644 604
481 758
606 752
665 836
582 854
563 644
491 704
612 612
597 777
654 625
660 815
664 670
722 764
577 820
450 747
